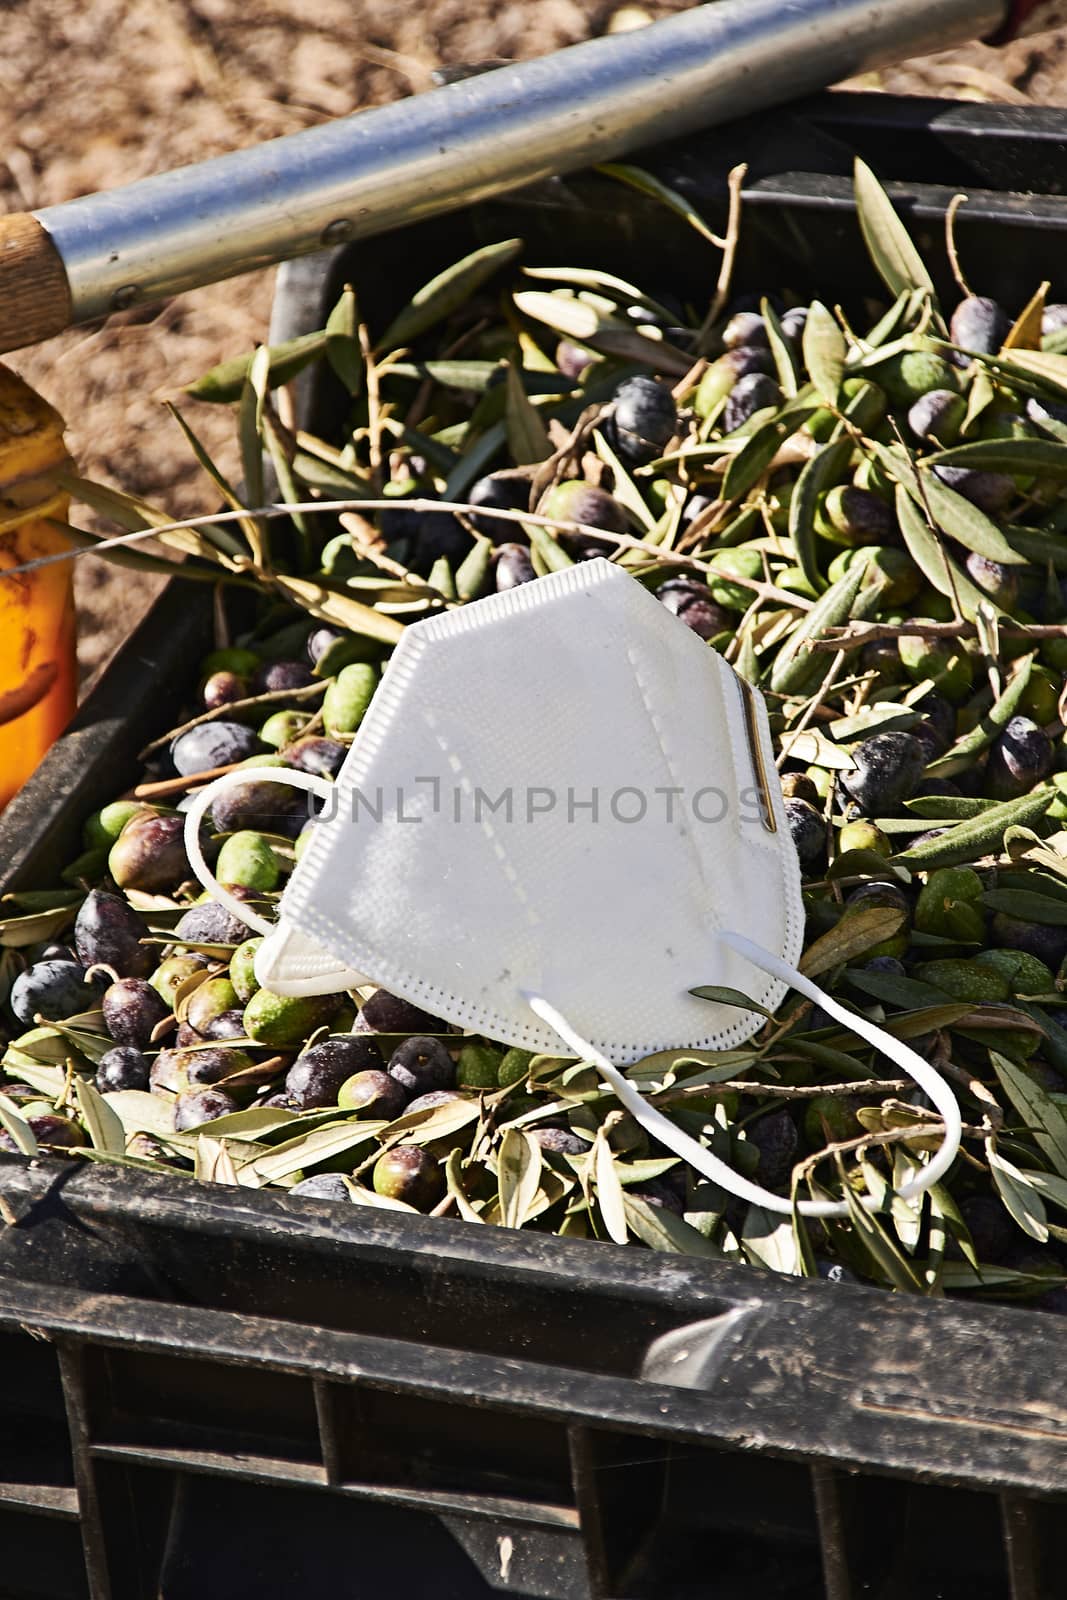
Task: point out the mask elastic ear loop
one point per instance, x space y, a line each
661 1127
308 781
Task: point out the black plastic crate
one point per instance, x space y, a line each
218 1391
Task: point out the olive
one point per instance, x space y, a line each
434 1098
938 415
513 566
852 516
213 744
572 360
745 328
807 830
793 323
723 375
748 396
501 491
420 1064
276 676
149 854
560 1141
315 754
577 501
108 931
122 1068
998 581
50 1129
798 786
1021 756
209 923
261 806
318 1073
178 1070
372 1094
643 421
197 1106
979 324
775 1137
320 640
387 1013
132 1009
691 603
53 990
222 688
322 1186
888 767
409 1173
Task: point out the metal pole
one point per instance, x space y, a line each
377 170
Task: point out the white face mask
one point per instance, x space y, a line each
560 815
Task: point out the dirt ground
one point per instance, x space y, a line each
95 93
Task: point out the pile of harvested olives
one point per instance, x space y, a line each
870 526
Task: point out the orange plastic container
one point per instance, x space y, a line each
38 665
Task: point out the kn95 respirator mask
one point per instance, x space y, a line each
560 815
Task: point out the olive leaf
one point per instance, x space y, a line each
609 1191
819 473
933 561
965 523
36 927
473 570
250 426
887 1258
981 835
949 807
759 450
225 382
253 529
1013 456
518 1175
855 933
1025 332
824 349
546 551
213 1161
895 258
343 350
661 1229
528 438
211 542
454 1182
796 669
340 609
646 184
141 1112
308 1150
785 361
1041 1115
577 319
1023 1204
893 990
50 1080
474 462
769 1240
624 490
435 1122
728 997
1041 908
588 278
447 292
17 1127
